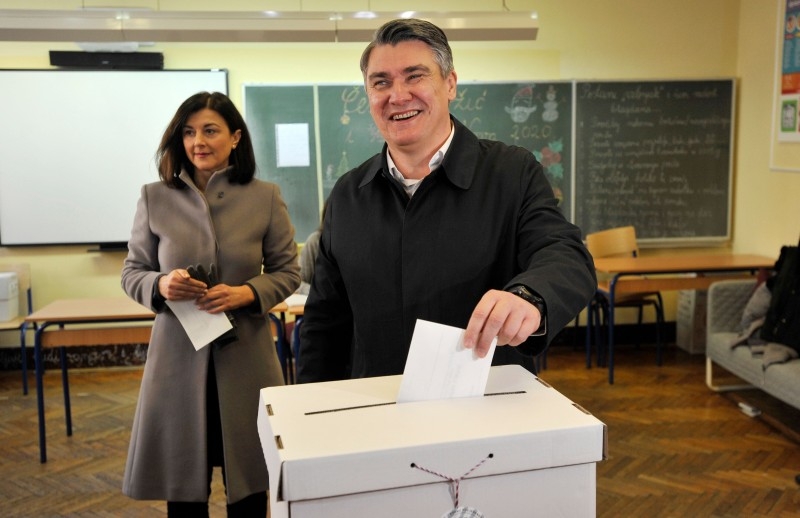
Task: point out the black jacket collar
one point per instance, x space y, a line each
459 165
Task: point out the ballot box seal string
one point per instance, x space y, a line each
454 486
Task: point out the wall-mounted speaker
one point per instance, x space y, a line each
108 60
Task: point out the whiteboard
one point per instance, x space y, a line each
79 144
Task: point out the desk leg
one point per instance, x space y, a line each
65 384
287 352
23 350
587 339
298 322
611 332
37 353
280 344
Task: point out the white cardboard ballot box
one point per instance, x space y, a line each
9 296
347 449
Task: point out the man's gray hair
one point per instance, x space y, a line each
410 29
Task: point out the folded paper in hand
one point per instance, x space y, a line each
201 326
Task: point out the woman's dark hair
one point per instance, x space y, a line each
412 29
171 155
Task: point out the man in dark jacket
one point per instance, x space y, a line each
439 226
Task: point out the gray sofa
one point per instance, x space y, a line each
726 304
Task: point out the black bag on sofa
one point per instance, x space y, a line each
782 322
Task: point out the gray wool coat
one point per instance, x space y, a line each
238 228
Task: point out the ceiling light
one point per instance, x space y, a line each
106 25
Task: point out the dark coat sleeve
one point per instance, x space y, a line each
331 321
552 258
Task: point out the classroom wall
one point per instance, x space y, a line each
766 203
603 39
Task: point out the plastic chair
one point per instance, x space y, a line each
18 323
618 242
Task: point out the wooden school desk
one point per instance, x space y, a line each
671 272
96 321
94 316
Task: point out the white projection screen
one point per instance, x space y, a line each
79 144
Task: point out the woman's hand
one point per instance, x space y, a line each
179 285
225 298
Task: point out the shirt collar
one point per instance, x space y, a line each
436 159
459 163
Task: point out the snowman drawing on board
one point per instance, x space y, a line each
550 113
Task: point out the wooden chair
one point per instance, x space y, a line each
618 242
18 323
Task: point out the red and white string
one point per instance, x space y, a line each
454 481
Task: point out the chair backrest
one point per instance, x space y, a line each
614 242
23 272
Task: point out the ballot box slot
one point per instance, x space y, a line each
359 407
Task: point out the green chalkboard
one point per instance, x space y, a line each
535 116
348 136
656 155
266 109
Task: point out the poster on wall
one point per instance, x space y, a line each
789 116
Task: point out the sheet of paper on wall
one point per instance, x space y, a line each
292 145
439 367
201 326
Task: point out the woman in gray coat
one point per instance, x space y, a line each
197 408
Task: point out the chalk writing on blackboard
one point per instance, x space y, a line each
535 116
654 155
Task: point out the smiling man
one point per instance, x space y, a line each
439 226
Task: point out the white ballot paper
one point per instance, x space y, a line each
439 367
202 327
